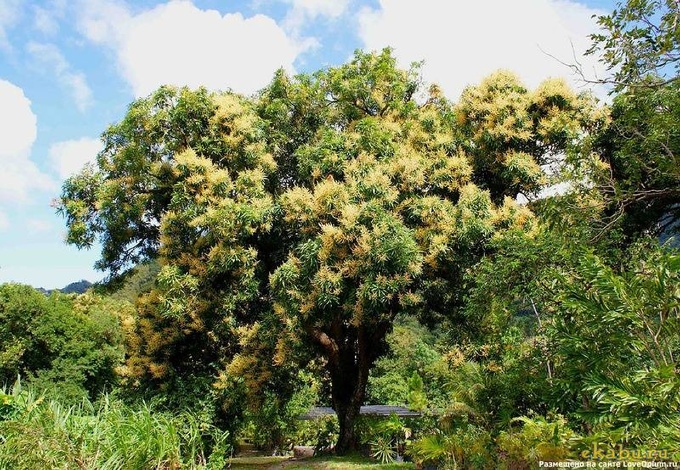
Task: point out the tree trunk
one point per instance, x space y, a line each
349 376
351 352
349 390
347 438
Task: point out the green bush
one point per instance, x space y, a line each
385 437
322 433
459 448
538 438
65 345
413 352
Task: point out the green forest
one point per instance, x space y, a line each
507 265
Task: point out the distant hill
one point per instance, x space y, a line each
78 287
133 283
127 286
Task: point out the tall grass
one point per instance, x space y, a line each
107 435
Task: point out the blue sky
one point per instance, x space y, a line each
69 68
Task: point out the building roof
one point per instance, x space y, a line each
372 410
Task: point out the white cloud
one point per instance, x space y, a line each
9 14
50 56
462 42
103 21
45 21
307 10
18 124
69 157
177 43
314 8
4 222
19 177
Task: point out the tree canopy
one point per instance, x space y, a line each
312 215
68 346
639 43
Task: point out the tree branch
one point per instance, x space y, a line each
326 342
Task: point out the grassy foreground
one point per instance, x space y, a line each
38 433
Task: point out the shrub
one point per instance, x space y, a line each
64 345
322 433
463 447
385 438
539 438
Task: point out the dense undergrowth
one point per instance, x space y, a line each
36 432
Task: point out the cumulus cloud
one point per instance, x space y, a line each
177 43
315 8
302 11
104 21
19 177
462 42
70 156
48 55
